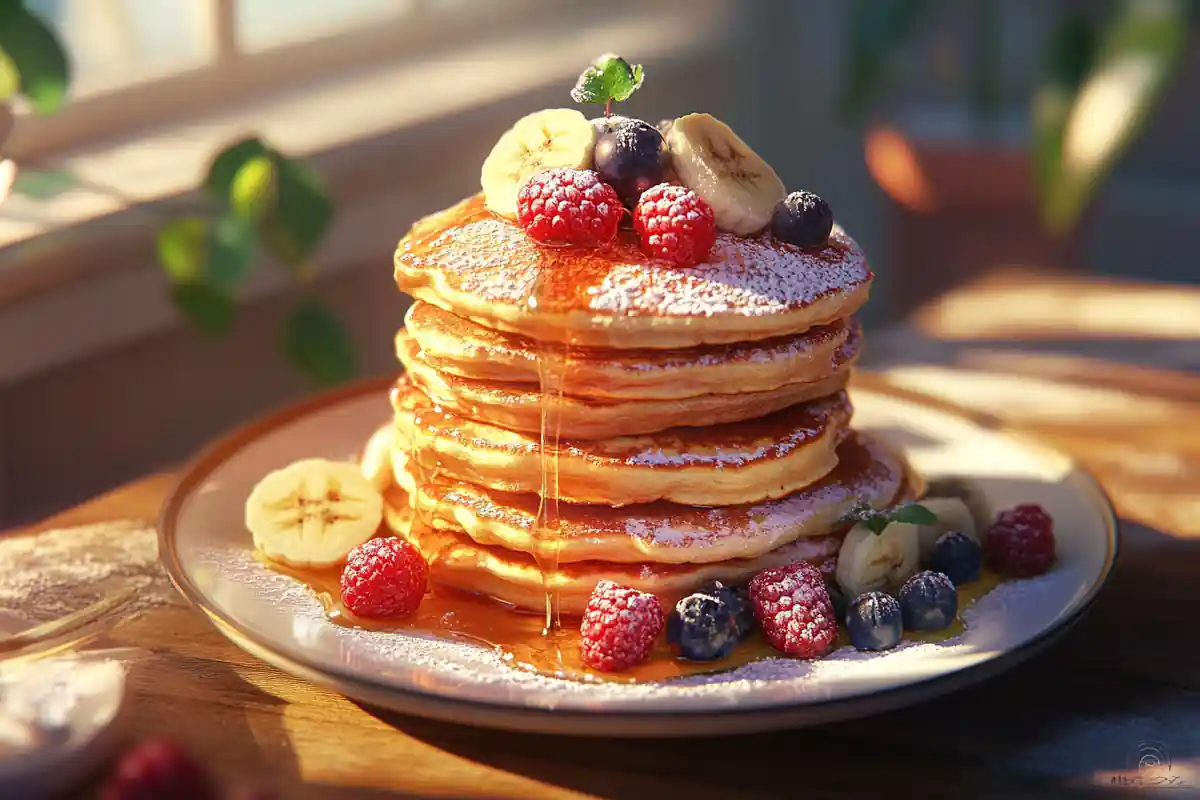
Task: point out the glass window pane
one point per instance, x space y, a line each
263 24
114 42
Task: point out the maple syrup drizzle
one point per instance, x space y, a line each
527 640
520 639
553 363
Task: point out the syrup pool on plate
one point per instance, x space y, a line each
523 643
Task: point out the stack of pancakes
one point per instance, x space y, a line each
692 422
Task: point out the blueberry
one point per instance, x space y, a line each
702 628
874 621
738 599
839 601
803 219
958 557
631 157
928 601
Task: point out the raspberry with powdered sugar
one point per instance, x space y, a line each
793 608
619 627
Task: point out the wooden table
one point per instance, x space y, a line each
1127 677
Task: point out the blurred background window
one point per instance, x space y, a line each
116 43
262 24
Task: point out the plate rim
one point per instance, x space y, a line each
658 723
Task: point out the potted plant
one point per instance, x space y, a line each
255 204
975 185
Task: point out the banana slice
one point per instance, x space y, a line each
312 513
713 162
557 137
970 493
952 515
869 561
376 463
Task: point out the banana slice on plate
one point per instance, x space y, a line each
969 492
376 461
952 515
713 162
312 513
870 561
556 137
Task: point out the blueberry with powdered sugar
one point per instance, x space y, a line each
928 601
703 626
957 556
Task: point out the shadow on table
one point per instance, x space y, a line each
1120 687
251 743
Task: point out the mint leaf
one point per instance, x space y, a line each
913 514
876 523
609 78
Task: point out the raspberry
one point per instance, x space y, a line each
673 223
569 206
157 769
793 607
1020 543
619 627
384 578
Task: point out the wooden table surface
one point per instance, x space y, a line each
1114 384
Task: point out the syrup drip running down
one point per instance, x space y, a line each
553 361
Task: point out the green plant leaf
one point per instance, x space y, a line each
286 198
877 29
39 58
209 308
253 192
182 248
1138 52
303 212
197 250
230 250
10 78
226 164
315 341
608 78
43 184
913 514
1071 53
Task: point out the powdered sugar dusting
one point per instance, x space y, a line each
439 665
495 260
750 277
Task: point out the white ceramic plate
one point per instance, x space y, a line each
207 551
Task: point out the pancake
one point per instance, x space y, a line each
456 346
662 533
515 578
741 462
486 269
518 406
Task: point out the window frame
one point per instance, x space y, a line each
235 77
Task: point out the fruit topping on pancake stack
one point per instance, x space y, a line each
624 392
